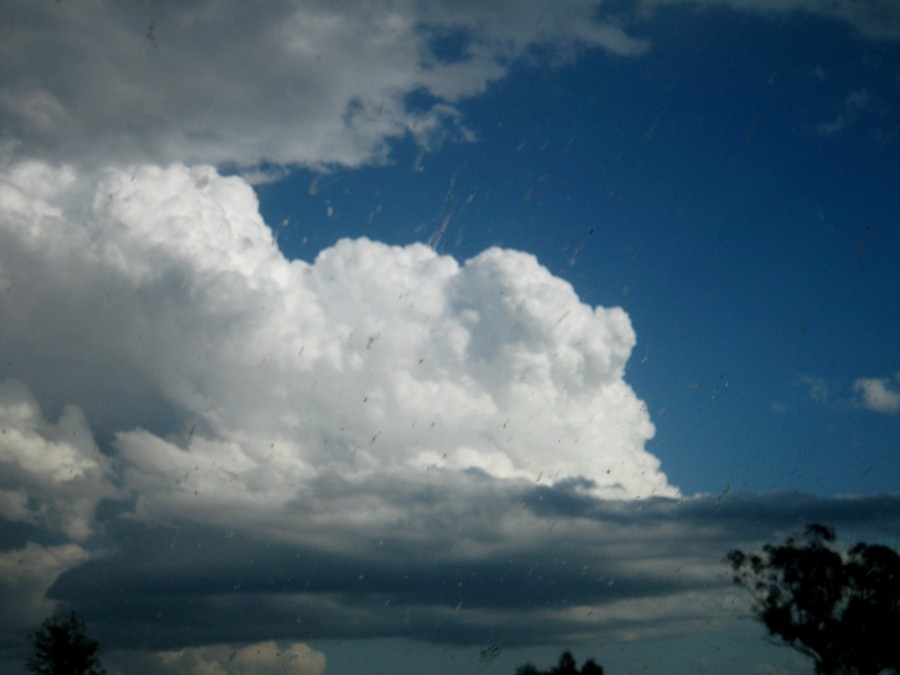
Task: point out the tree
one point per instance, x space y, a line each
60 647
840 609
566 666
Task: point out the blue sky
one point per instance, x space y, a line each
697 188
373 336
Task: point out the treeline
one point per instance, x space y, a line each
566 666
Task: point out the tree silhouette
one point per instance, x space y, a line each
60 647
566 666
840 609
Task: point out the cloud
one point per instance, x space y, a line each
53 475
371 359
383 442
317 84
876 394
378 394
217 446
194 374
26 574
472 562
262 658
320 83
871 393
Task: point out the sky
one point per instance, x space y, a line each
439 336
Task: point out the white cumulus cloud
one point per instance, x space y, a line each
877 394
377 392
227 377
262 658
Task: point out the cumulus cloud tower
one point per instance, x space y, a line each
370 359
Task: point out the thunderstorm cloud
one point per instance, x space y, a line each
381 441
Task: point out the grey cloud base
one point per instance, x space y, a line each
380 443
522 564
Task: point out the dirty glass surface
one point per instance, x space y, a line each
398 336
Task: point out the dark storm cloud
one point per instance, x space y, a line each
534 564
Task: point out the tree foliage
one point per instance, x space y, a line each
842 609
60 647
566 666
